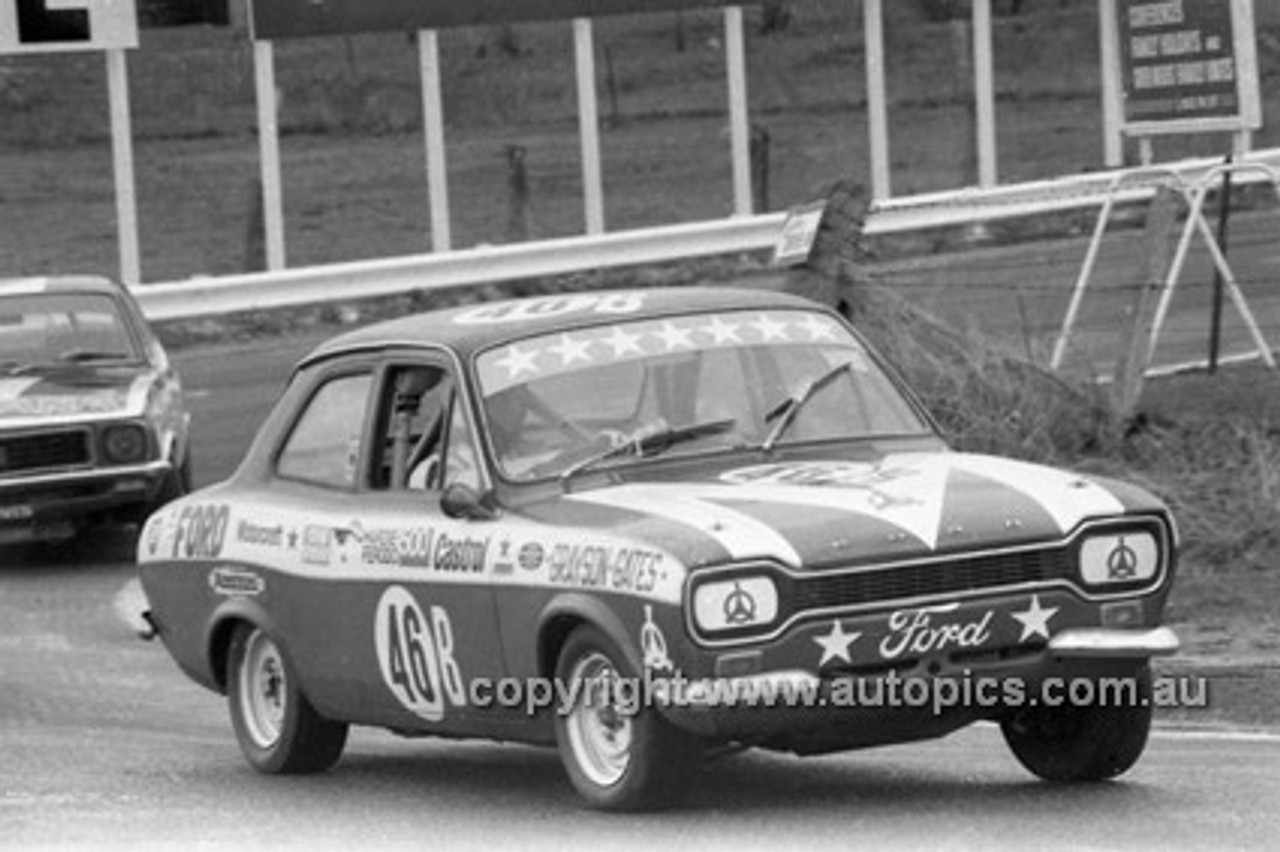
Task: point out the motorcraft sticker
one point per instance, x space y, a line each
234 582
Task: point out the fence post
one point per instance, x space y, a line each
1159 242
518 216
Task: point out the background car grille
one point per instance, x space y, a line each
985 571
45 451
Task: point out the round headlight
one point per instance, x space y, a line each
737 604
1121 557
124 444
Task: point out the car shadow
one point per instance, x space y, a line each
531 779
97 545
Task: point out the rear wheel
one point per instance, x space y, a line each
619 755
1083 743
277 728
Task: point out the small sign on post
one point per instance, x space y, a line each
58 26
799 232
1186 66
110 26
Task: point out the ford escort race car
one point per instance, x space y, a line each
92 422
643 526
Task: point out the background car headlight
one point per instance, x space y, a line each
124 444
1121 557
735 604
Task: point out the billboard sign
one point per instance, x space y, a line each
277 19
54 26
1188 65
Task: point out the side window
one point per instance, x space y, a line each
413 416
324 447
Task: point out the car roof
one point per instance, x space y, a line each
58 284
451 328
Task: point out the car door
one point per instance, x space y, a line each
402 619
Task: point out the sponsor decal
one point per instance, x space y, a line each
248 532
654 644
532 556
379 547
462 554
926 629
594 566
201 531
102 402
835 644
503 562
415 648
837 474
16 513
414 546
154 533
552 306
236 582
1034 620
317 545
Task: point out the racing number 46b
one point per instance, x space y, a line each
416 655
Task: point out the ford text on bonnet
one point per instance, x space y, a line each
641 525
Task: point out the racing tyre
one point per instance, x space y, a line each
278 730
620 756
1083 743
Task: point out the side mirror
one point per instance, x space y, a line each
463 501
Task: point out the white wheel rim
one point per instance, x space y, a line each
599 733
263 689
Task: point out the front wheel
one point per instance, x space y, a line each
619 755
1091 742
278 730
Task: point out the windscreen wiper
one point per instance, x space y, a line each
785 412
652 442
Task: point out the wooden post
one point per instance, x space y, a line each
1159 242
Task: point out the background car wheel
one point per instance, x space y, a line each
177 483
1082 743
278 730
619 754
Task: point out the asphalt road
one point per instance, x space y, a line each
104 743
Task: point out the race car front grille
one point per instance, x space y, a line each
44 451
955 576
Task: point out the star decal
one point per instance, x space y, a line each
1034 619
817 329
836 643
770 329
722 332
516 362
674 338
622 342
571 350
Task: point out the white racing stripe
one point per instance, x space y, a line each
1068 497
740 534
13 388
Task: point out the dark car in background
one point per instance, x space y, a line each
92 421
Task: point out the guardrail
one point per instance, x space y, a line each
490 264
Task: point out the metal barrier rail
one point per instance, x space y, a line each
490 264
